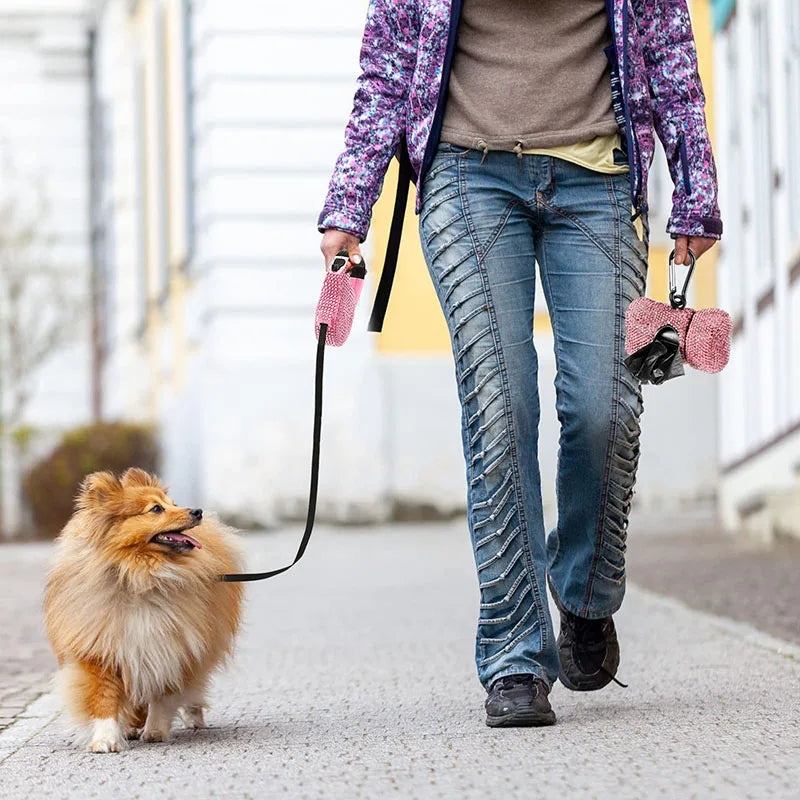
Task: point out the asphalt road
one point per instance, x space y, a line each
354 678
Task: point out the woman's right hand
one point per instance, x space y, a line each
333 241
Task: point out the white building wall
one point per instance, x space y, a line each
272 92
43 146
758 68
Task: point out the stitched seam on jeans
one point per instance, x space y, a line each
508 617
576 221
508 595
601 519
480 255
435 200
498 229
510 635
441 228
441 162
519 638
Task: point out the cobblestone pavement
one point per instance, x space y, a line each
26 662
354 678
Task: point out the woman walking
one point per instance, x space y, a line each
529 125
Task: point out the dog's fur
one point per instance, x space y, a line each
139 625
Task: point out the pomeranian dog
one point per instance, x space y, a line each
134 609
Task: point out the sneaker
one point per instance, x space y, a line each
518 701
588 652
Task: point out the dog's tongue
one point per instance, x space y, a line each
182 537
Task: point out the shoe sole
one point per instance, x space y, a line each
533 720
583 687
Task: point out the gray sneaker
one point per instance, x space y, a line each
518 701
588 652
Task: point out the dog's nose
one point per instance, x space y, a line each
197 513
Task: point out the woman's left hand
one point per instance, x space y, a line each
697 244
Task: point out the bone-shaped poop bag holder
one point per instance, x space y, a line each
661 337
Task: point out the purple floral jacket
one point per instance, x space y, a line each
405 59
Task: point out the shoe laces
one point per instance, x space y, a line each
509 682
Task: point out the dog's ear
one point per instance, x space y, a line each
96 489
138 477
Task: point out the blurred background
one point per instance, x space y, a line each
162 166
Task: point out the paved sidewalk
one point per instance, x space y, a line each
354 678
26 662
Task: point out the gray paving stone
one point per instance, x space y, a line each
26 662
354 678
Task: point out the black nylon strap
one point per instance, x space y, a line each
404 177
312 494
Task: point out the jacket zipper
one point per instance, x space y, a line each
684 159
436 125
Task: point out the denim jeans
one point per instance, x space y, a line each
483 227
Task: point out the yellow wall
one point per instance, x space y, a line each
414 321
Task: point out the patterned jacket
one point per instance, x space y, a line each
405 59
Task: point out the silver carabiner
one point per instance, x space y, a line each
678 299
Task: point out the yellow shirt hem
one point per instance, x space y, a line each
596 154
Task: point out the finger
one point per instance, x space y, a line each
355 257
681 248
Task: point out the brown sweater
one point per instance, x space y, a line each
532 71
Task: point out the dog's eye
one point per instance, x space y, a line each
157 509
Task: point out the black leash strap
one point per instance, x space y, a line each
404 177
312 494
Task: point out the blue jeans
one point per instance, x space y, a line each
483 227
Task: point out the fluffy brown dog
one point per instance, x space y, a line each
134 610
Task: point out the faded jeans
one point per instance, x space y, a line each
483 228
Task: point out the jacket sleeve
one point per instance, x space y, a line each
377 121
679 114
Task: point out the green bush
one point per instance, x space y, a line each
50 485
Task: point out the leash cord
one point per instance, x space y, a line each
312 494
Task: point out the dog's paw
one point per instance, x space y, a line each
192 717
153 735
107 737
132 734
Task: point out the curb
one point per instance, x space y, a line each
743 631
